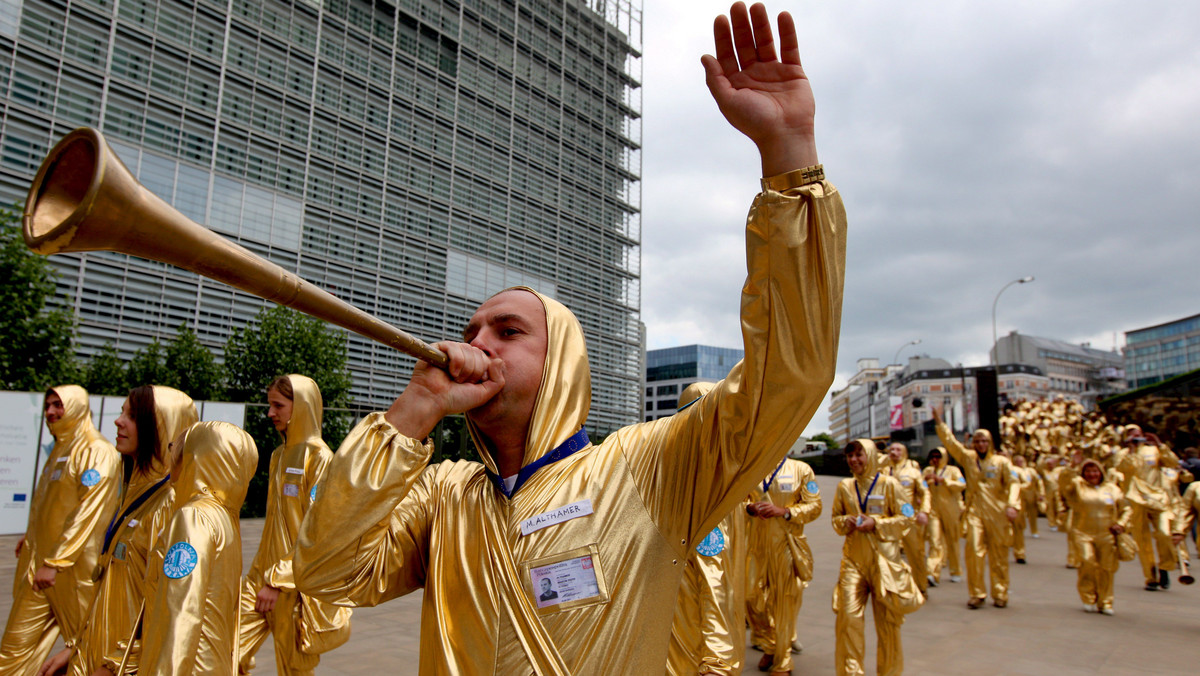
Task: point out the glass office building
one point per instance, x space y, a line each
671 369
412 157
1156 353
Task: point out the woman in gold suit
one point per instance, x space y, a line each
150 418
1099 513
191 621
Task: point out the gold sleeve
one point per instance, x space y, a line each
806 505
840 513
174 617
923 499
697 466
893 526
1186 518
372 473
96 472
961 454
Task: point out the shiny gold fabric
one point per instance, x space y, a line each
1055 512
867 558
191 620
72 501
1029 494
991 489
385 524
123 566
302 627
707 634
944 530
786 557
1152 506
1094 509
916 493
757 617
1187 512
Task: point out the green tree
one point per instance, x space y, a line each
830 442
281 341
36 337
192 368
105 373
148 367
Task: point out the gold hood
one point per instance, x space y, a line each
565 396
693 392
218 460
174 412
873 463
945 458
77 414
307 409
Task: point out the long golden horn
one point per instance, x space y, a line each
85 199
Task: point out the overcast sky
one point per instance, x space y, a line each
974 143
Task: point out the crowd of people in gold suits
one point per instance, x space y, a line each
133 554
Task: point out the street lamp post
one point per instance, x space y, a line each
995 345
895 359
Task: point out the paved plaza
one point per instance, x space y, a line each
1043 631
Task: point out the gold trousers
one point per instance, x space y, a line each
1153 528
1097 564
943 538
34 623
783 605
1018 540
986 541
1030 511
281 624
913 546
850 604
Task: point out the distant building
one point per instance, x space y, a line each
879 401
1158 352
671 369
1077 372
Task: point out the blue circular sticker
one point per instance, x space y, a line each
90 478
180 561
813 488
712 544
312 495
907 510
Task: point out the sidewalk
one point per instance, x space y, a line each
1043 631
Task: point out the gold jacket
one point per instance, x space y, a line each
794 488
1093 508
1189 508
912 480
992 486
620 518
297 466
121 586
710 610
191 621
1144 483
72 502
946 498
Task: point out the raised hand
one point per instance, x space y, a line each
763 93
470 379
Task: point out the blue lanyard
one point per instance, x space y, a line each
862 502
118 520
577 442
768 482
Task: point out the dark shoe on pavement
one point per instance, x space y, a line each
975 604
765 663
1000 603
1151 586
1021 561
1164 579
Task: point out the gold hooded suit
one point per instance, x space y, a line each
992 487
707 634
1094 509
121 587
872 566
785 556
191 621
72 502
1030 494
620 518
1146 490
303 627
944 530
916 493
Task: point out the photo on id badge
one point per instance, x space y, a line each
567 580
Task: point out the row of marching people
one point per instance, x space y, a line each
133 552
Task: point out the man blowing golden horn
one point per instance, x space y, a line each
555 555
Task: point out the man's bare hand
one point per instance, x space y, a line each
470 380
866 525
1011 513
57 664
264 602
44 577
922 518
763 92
937 414
768 511
20 545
